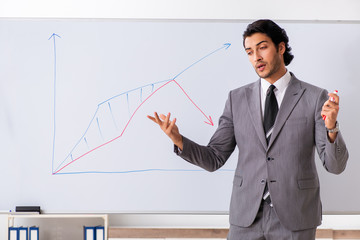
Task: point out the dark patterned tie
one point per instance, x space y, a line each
271 110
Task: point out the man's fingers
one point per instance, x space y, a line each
170 128
163 121
163 117
331 104
151 118
167 118
172 123
157 119
333 97
330 107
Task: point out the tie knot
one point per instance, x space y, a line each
270 89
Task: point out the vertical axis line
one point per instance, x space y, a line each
53 153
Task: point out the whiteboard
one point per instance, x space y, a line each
75 94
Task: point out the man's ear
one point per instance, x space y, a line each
281 48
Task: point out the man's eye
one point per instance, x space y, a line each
263 47
249 53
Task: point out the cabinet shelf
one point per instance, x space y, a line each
59 226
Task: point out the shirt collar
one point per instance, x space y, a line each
280 84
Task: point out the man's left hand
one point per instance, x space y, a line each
330 112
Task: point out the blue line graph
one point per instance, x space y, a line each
107 107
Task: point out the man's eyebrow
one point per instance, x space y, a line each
261 42
256 45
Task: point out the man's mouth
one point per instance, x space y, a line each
261 67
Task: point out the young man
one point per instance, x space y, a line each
277 123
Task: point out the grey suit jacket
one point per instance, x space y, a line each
286 164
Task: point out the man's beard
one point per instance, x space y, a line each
273 70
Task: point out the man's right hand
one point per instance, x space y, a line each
169 128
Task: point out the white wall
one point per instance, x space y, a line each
347 10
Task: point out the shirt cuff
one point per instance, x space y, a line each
177 150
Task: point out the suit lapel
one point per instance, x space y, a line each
254 105
292 96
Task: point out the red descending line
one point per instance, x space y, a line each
208 118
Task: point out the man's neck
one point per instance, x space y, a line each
276 76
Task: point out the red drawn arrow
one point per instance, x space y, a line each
208 118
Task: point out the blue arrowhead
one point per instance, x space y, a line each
53 36
227 45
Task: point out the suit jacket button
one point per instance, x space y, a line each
263 181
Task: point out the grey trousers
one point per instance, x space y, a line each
268 227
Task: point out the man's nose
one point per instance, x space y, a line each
257 57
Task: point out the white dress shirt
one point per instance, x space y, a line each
281 86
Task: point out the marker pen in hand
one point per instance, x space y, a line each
332 99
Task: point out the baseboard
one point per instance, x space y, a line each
211 233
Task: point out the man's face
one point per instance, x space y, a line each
266 59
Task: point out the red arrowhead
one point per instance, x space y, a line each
210 121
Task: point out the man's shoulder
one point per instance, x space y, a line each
243 88
306 85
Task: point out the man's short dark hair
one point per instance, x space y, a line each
273 31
